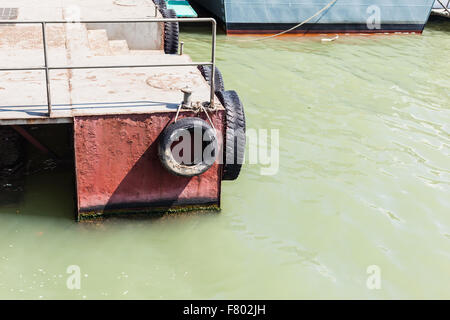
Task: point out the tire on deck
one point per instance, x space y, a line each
171 32
206 72
161 4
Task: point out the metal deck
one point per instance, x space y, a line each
99 92
87 73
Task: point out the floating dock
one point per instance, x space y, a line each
181 7
108 77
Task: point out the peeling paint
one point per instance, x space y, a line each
117 167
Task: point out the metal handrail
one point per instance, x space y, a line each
446 7
48 68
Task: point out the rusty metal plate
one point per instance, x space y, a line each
118 169
9 13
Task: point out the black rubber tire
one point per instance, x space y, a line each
161 4
171 32
11 146
218 80
235 139
172 134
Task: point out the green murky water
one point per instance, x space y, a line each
363 180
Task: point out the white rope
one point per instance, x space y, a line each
200 107
207 115
297 26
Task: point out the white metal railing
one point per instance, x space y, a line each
47 68
446 7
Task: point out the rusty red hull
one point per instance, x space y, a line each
118 169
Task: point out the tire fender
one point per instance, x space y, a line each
174 132
161 4
206 72
235 139
171 32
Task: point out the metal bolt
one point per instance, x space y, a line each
181 48
187 96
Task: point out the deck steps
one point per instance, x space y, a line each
99 42
77 43
119 47
88 92
146 52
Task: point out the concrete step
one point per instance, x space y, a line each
99 42
77 41
119 47
143 58
145 52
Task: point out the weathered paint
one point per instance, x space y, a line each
118 169
343 16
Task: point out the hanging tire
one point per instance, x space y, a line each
218 79
191 163
234 149
161 4
171 32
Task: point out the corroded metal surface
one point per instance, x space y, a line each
118 169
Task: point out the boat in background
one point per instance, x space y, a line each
182 8
320 16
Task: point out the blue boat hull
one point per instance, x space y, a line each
344 16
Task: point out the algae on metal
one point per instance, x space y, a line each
155 212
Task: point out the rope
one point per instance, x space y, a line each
198 108
297 26
207 115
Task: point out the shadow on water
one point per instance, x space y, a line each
36 183
43 194
42 185
438 23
